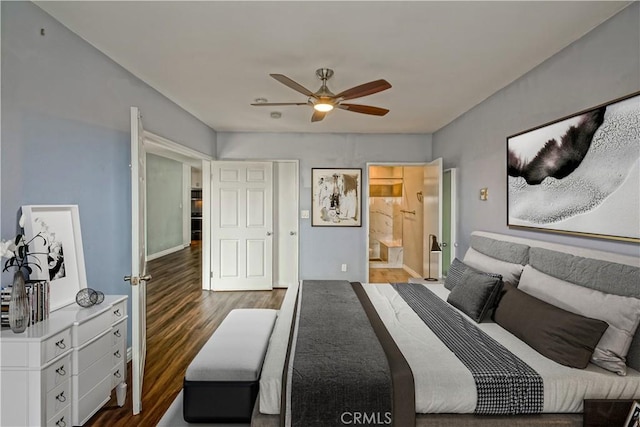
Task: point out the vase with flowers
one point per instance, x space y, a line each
19 258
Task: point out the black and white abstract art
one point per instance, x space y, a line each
579 174
55 259
336 195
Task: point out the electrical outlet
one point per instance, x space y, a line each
344 267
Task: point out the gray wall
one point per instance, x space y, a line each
601 66
324 249
65 135
164 204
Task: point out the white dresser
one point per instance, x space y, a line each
61 371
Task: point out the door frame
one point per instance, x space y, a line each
182 153
366 200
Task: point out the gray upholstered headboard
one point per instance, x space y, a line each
604 271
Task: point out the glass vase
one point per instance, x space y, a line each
19 315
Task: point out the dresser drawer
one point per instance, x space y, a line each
57 373
117 354
57 399
91 402
118 311
91 352
56 345
61 419
89 329
118 332
94 374
118 374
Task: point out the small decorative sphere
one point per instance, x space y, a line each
99 297
87 297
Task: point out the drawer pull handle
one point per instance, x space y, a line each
61 398
60 344
117 354
117 374
61 422
117 333
61 371
117 312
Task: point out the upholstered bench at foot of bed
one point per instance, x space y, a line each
221 383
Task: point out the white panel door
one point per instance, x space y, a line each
285 251
432 261
242 226
139 275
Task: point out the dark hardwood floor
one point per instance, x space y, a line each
180 318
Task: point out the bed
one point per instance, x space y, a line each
445 387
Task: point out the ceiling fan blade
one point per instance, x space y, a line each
364 89
318 115
293 85
271 104
364 109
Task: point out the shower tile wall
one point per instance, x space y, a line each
385 221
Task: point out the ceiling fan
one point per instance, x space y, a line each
324 100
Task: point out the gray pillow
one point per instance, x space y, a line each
621 313
564 337
457 270
510 271
475 294
454 276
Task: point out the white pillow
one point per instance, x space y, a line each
510 272
621 313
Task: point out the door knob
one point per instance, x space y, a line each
136 280
269 233
292 233
444 244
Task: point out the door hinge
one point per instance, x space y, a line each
211 275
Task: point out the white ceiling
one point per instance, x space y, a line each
214 58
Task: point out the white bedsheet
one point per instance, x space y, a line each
443 384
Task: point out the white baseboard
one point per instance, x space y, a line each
411 271
165 252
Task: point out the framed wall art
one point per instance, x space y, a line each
633 419
59 253
336 197
579 174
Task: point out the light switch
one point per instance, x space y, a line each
304 214
484 194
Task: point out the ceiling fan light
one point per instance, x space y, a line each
323 107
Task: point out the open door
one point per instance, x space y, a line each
242 226
432 218
139 275
285 242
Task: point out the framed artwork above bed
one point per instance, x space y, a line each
336 197
579 174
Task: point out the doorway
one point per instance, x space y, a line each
396 225
254 230
403 216
195 167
